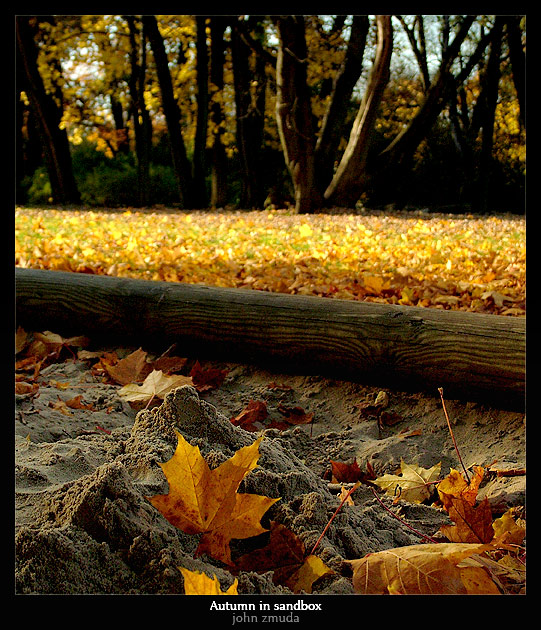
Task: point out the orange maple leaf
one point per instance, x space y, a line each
255 411
204 501
473 524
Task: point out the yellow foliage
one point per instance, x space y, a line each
204 501
197 583
462 263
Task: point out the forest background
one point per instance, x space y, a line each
248 112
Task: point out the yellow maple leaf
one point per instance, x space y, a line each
204 501
414 484
197 583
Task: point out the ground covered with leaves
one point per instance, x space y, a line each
466 262
142 472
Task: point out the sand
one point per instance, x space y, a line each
84 524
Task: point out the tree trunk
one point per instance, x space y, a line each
518 61
142 125
48 115
218 175
172 113
471 356
404 145
349 179
344 82
200 143
250 114
294 112
489 93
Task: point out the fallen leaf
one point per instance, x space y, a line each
255 411
506 526
24 388
414 484
130 369
295 415
425 569
75 403
204 501
472 524
349 473
197 583
155 385
21 339
455 485
208 379
285 555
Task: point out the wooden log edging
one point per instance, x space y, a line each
472 356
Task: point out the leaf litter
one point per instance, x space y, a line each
341 501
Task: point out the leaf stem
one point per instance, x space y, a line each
432 540
349 493
440 389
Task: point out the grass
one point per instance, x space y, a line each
466 262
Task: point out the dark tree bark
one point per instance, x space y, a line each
489 95
294 112
349 179
218 176
518 61
142 125
48 114
332 127
172 113
200 143
250 85
418 46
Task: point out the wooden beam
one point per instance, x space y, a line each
472 356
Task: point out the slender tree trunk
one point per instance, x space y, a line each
518 61
48 115
218 178
142 125
250 110
171 111
490 98
200 143
294 112
348 181
404 145
344 82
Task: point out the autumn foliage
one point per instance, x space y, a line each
412 259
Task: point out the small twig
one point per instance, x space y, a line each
432 540
350 492
440 389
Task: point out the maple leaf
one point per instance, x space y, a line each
508 529
426 569
197 583
205 380
255 411
414 483
473 524
204 501
155 385
348 473
455 485
130 369
285 555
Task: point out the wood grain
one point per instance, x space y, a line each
470 355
